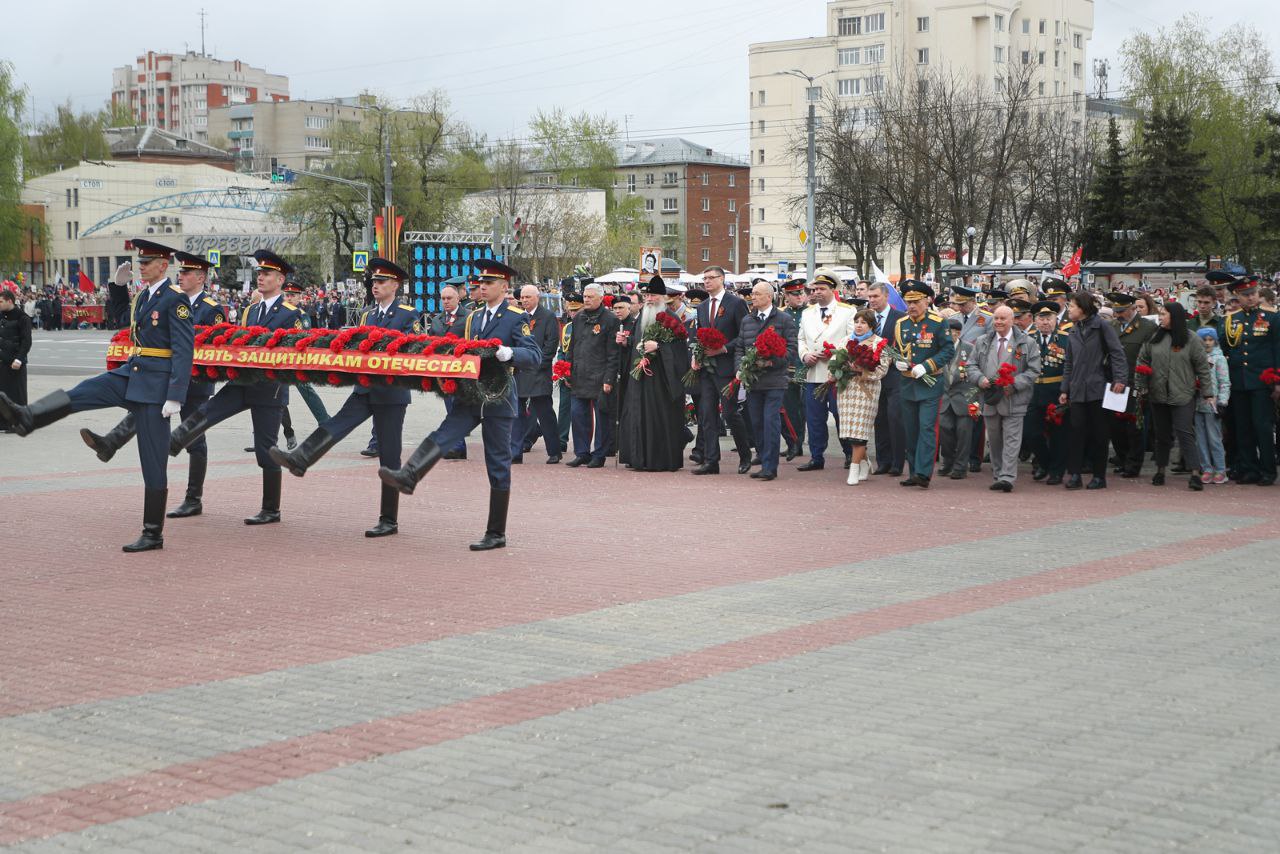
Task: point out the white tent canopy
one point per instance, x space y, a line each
618 277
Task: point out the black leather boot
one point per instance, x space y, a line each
270 512
191 505
187 432
304 457
495 535
153 503
24 419
387 514
117 437
420 462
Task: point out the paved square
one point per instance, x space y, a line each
657 662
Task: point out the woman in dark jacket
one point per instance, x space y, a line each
15 344
1094 359
1171 371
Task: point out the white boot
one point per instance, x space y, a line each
865 465
855 474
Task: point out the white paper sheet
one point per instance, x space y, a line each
1115 402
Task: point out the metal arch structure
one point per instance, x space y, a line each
262 201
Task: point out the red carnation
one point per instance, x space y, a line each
1270 376
363 380
232 373
449 386
770 345
828 350
211 373
270 372
975 411
301 376
334 379
1143 370
426 383
195 370
1005 375
388 379
561 370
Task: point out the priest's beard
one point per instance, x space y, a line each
649 314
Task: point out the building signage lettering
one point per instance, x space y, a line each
236 244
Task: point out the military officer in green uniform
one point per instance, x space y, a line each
1048 436
1252 345
1134 330
923 347
793 397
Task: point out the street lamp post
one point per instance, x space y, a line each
971 231
811 183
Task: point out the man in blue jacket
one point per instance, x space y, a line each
383 403
495 318
152 384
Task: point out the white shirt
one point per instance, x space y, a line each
766 314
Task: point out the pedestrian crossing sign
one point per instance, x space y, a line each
214 257
359 260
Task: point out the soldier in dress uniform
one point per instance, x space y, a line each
510 325
152 384
572 301
976 319
1134 330
793 398
264 400
1251 340
1056 291
193 276
925 349
385 404
1048 440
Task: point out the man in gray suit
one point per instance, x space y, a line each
1005 406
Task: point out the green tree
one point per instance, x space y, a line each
13 223
1168 186
67 137
1108 207
1266 201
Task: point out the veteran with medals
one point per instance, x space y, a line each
922 350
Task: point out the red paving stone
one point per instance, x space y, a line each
82 621
207 779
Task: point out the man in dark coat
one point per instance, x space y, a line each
15 344
722 310
651 433
593 353
1133 330
385 404
764 398
533 385
337 314
890 432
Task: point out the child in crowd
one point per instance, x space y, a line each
1207 423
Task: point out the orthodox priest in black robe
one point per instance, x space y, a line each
651 432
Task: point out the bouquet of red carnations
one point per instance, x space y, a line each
768 345
664 329
561 370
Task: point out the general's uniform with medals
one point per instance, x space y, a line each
924 343
1048 440
383 403
510 325
1251 342
158 372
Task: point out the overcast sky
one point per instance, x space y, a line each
659 67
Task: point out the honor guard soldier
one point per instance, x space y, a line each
264 400
1048 436
1251 339
383 403
152 384
496 318
924 348
193 274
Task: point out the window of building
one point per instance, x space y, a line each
1042 23
848 87
317 143
1026 57
648 179
670 229
875 23
760 98
759 214
1057 58
849 26
1040 88
733 179
318 122
760 126
77 228
706 229
649 228
874 55
733 205
1077 70
68 197
922 25
997 84
706 254
1077 41
1026 26
760 184
999 53
1057 28
849 56
68 229
631 183
760 153
763 246
730 256
669 203
922 56
875 84
733 230
648 204
999 23
75 197
706 179
1040 57
706 204
670 179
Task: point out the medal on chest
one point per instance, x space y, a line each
155 318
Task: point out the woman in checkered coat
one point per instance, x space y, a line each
858 401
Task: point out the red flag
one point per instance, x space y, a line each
85 284
1072 267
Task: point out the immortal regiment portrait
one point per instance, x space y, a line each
577 455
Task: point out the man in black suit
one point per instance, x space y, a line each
533 385
722 310
891 436
764 399
450 317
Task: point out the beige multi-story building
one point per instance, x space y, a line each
866 44
176 91
294 134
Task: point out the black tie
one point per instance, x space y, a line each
824 314
762 316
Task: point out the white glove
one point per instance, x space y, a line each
918 371
505 353
124 273
901 365
170 409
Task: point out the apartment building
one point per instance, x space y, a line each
295 134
